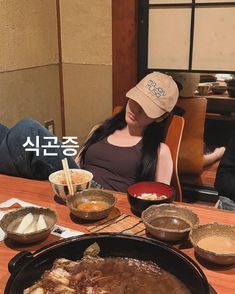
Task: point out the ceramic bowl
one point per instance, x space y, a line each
218 90
230 83
91 196
221 236
81 180
204 89
138 204
231 91
169 222
11 221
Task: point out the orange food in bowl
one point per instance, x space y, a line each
93 205
76 178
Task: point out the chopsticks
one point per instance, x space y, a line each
67 175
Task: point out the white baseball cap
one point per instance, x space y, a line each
157 93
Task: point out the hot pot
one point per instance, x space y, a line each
26 267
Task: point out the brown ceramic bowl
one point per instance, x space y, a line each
214 230
169 222
91 196
231 91
219 89
59 186
11 220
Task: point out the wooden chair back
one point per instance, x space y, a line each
173 135
192 144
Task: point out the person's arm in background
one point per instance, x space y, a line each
214 156
164 166
225 177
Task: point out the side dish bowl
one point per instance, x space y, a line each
138 205
169 222
231 92
81 180
12 220
219 89
214 242
82 204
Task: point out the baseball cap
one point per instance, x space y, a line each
157 93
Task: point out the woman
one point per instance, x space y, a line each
128 147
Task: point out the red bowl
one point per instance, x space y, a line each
135 190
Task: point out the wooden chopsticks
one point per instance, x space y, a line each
67 175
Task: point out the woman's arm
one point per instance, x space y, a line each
164 166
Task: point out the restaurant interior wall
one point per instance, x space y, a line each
86 35
29 74
42 80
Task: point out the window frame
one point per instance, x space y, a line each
143 28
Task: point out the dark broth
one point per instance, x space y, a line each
115 276
169 222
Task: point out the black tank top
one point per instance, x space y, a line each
113 167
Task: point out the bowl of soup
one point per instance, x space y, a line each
141 195
214 242
81 180
169 222
91 204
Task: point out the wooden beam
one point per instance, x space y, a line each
124 48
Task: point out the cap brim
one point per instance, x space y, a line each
151 109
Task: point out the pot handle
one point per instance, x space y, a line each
18 260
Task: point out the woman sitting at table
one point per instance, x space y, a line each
125 149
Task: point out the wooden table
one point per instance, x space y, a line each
40 193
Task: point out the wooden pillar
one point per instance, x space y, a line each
124 48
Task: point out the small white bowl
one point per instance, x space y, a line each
61 188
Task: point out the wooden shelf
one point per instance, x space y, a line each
221 117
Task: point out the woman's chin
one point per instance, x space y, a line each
131 122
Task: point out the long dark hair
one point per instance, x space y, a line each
152 137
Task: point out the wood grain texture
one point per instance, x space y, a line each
124 48
40 193
174 131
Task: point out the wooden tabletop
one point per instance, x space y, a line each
40 193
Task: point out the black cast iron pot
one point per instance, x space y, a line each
26 268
